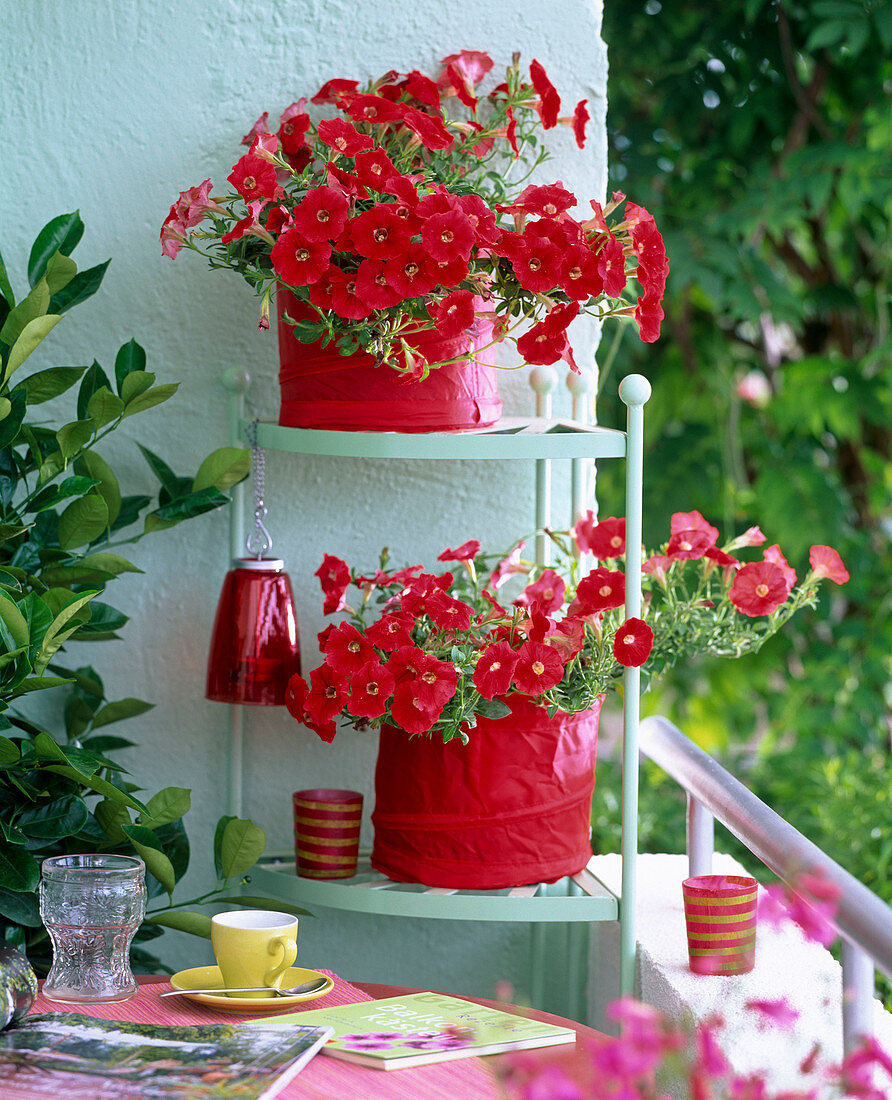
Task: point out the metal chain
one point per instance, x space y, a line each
258 541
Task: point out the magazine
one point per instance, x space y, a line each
419 1028
81 1057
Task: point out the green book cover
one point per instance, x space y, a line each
418 1028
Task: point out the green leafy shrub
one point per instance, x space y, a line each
63 519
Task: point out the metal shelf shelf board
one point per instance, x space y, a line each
510 438
581 897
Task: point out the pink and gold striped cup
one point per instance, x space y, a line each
720 916
326 832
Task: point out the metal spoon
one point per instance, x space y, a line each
294 991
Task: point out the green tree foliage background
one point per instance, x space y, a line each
759 134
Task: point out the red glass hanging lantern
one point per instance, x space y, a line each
255 645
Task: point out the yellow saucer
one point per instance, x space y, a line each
206 977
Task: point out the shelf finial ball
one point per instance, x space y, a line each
634 390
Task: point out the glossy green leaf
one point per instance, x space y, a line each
35 306
242 844
83 286
183 920
9 752
130 358
108 488
74 437
136 383
32 335
169 804
20 907
150 849
94 379
148 400
54 820
11 425
223 468
195 504
71 611
62 234
110 563
104 407
169 480
13 619
119 710
104 621
6 291
112 817
5 407
219 830
83 521
18 869
100 786
60 270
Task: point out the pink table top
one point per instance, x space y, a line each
322 1078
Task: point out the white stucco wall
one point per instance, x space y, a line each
114 106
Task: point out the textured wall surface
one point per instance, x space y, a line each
114 106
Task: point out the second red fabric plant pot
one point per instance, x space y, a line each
511 807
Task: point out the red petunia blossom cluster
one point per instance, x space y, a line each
393 217
443 648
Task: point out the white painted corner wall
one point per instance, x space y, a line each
114 106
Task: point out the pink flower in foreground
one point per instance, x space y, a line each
825 561
692 521
812 904
546 593
779 1013
507 566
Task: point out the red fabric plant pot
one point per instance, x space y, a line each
511 807
321 389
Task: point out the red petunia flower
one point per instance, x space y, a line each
494 670
448 613
539 668
547 200
605 540
545 594
348 183
759 588
826 562
321 214
648 317
346 300
373 286
379 232
295 693
507 566
547 341
453 315
332 90
410 712
372 108
327 695
600 590
254 178
370 688
688 545
392 631
537 266
334 577
580 119
612 267
632 643
297 261
511 132
580 277
774 555
549 104
292 130
423 89
343 137
472 65
448 236
247 225
433 681
692 521
346 650
277 218
481 217
408 273
429 129
447 273
261 126
465 552
374 168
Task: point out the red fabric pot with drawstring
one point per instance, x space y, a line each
511 807
321 389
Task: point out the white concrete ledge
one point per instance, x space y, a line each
787 965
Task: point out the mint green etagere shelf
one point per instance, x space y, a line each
577 900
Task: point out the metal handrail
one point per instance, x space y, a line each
862 919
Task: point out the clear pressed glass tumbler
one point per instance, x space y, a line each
92 906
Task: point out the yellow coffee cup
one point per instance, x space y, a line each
253 947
